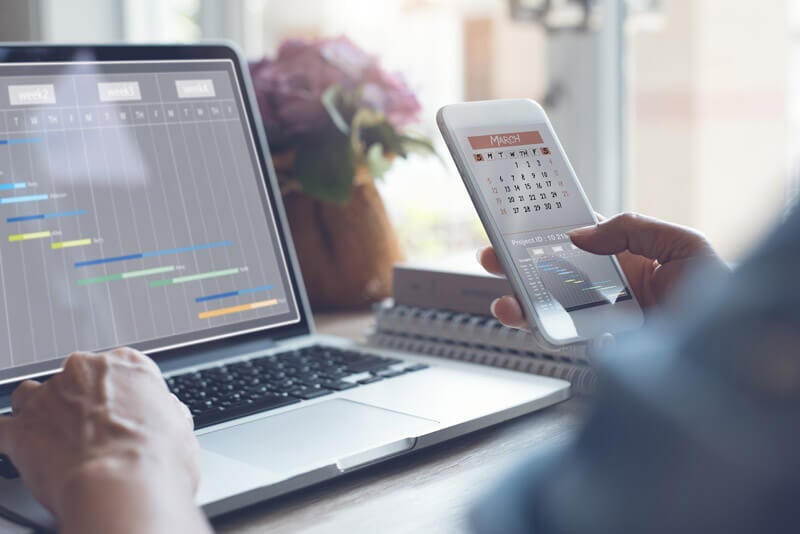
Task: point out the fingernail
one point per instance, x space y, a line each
582 232
493 305
602 344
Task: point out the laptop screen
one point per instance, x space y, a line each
133 211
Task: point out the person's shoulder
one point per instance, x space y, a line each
511 506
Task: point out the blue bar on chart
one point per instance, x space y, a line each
152 254
28 198
186 249
39 216
21 141
18 185
232 293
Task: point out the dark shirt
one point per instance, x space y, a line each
696 424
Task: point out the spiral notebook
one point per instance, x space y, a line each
477 339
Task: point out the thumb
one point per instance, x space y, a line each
5 434
643 236
602 344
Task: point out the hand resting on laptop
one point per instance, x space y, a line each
655 256
106 447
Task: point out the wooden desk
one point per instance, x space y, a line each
429 491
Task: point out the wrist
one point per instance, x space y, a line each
124 468
125 493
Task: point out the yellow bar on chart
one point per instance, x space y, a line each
69 244
237 309
25 237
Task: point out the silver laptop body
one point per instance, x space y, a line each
137 185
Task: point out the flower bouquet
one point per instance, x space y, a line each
335 121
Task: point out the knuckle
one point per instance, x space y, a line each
130 357
120 352
128 353
22 395
22 389
135 360
75 362
629 217
102 362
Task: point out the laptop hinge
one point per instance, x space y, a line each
201 356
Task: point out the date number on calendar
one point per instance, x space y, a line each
523 181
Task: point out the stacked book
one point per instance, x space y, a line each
446 314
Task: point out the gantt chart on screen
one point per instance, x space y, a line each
131 210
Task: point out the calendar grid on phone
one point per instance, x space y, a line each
523 180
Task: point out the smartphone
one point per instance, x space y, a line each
528 197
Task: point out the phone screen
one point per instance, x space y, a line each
534 200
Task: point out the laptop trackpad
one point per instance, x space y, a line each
338 431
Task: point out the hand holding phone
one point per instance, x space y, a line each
655 256
528 198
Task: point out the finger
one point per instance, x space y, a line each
643 236
509 312
5 434
187 414
488 258
602 344
23 393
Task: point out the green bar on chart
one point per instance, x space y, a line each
25 237
193 277
125 276
70 244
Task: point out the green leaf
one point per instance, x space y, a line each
329 99
384 134
420 145
326 168
364 119
417 144
377 162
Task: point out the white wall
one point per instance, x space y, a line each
710 118
82 21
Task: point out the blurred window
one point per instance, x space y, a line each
684 109
713 102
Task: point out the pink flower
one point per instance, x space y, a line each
389 94
290 87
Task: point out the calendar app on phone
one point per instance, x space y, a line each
534 199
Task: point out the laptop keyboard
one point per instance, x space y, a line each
227 392
219 394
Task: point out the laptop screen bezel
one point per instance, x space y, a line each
200 350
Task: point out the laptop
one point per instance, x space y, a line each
139 207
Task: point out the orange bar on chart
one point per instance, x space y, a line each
237 309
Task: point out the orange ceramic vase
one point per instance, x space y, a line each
346 251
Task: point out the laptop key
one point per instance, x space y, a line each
339 385
370 380
310 393
370 365
335 375
389 373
